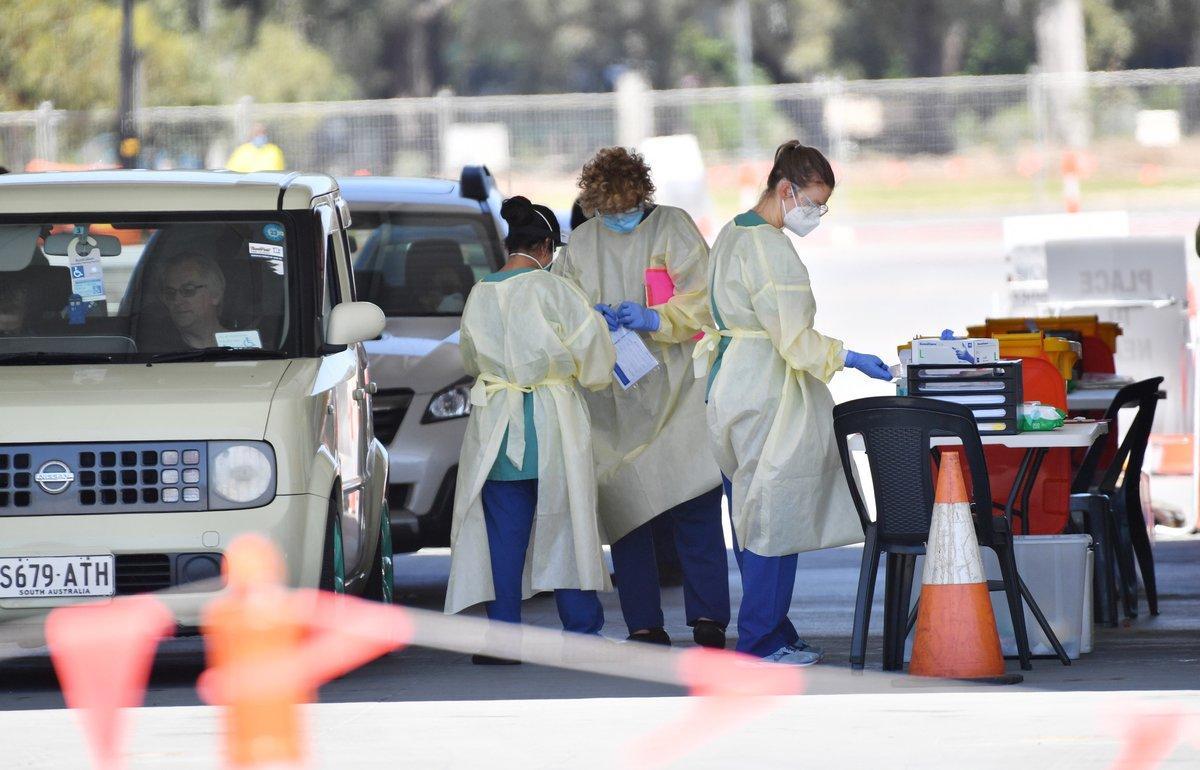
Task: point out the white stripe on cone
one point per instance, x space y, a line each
952 553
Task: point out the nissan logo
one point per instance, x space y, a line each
54 477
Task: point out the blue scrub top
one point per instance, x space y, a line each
503 469
747 219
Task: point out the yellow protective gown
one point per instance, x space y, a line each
770 413
534 333
650 441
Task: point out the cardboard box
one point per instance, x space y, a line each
972 350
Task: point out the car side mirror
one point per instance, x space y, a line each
354 322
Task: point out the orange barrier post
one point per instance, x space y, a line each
956 631
255 625
1070 181
102 656
270 648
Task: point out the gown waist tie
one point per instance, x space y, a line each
487 385
705 352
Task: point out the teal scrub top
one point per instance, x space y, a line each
747 219
503 469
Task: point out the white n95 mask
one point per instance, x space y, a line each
801 219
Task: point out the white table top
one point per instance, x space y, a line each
1069 435
1095 398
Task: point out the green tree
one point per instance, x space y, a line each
66 51
1166 33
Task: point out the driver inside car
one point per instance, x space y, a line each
444 293
192 289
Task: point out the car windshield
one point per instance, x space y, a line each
418 264
127 291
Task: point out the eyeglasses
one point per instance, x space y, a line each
821 208
186 291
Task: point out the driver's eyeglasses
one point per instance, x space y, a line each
187 290
821 208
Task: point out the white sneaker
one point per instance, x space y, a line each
802 646
790 656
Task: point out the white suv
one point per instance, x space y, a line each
181 361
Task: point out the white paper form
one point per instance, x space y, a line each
634 359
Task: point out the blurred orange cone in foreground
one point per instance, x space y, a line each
270 648
102 656
255 625
956 630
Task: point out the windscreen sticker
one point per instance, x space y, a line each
273 232
248 338
266 251
87 276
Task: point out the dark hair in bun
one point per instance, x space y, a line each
529 224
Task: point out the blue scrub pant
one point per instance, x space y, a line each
701 546
767 584
508 509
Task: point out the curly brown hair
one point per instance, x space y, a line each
615 180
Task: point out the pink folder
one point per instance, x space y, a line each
660 288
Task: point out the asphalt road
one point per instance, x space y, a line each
1157 653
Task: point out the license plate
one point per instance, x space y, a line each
49 577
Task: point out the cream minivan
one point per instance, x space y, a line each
181 362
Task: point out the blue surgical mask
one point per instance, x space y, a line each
623 222
259 141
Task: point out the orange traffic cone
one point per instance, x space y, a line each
956 630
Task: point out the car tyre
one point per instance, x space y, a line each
333 560
381 579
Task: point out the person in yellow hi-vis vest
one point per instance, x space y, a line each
525 501
652 457
258 154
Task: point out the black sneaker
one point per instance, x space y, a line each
488 660
653 636
708 634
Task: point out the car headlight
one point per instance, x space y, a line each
240 474
449 403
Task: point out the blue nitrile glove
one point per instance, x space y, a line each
637 317
947 334
610 316
872 366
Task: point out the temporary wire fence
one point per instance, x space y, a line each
1018 123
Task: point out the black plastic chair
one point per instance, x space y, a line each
1109 507
896 432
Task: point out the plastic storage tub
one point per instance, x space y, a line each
1058 571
